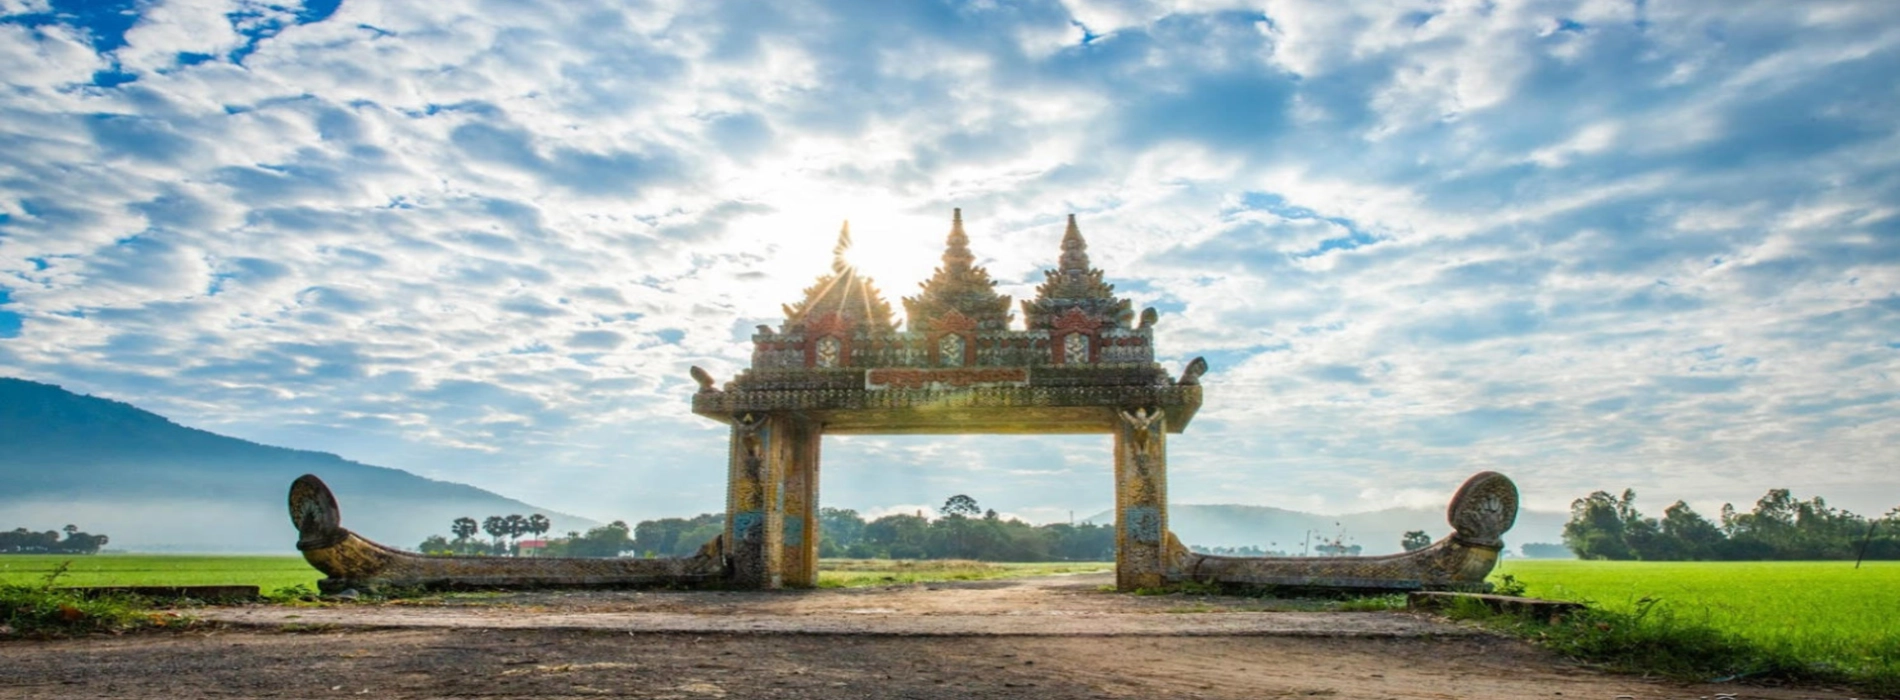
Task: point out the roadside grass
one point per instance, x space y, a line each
1813 621
40 609
854 573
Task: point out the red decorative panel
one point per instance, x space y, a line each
1075 320
828 324
954 322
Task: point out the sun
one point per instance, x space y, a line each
897 248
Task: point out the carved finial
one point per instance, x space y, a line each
1192 375
705 380
838 263
1075 256
1148 317
956 252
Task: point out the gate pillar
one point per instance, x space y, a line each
799 557
1141 498
772 501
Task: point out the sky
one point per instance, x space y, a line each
1591 244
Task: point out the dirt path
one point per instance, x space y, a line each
1048 639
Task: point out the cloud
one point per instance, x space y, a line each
1590 244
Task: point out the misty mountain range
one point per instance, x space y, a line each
1287 531
153 485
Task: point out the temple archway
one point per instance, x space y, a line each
840 365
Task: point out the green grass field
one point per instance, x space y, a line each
1825 615
268 573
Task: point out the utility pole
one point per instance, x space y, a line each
1864 540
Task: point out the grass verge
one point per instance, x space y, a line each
1654 637
41 610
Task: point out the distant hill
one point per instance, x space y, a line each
153 485
1286 530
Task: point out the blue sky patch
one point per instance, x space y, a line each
104 21
9 321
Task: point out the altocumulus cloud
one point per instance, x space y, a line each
1592 244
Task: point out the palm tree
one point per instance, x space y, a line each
495 526
463 528
538 524
517 526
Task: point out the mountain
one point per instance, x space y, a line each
1285 530
153 485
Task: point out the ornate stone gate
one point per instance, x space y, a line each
839 364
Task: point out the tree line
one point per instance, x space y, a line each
1781 527
24 541
511 527
963 530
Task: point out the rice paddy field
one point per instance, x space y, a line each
1827 614
268 573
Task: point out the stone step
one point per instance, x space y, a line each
1439 600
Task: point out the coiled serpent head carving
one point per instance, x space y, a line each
314 511
1483 509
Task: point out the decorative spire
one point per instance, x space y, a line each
959 286
1075 291
1075 251
838 263
842 297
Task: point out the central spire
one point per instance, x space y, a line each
956 251
1074 286
1075 251
959 286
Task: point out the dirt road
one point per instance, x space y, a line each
1048 639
